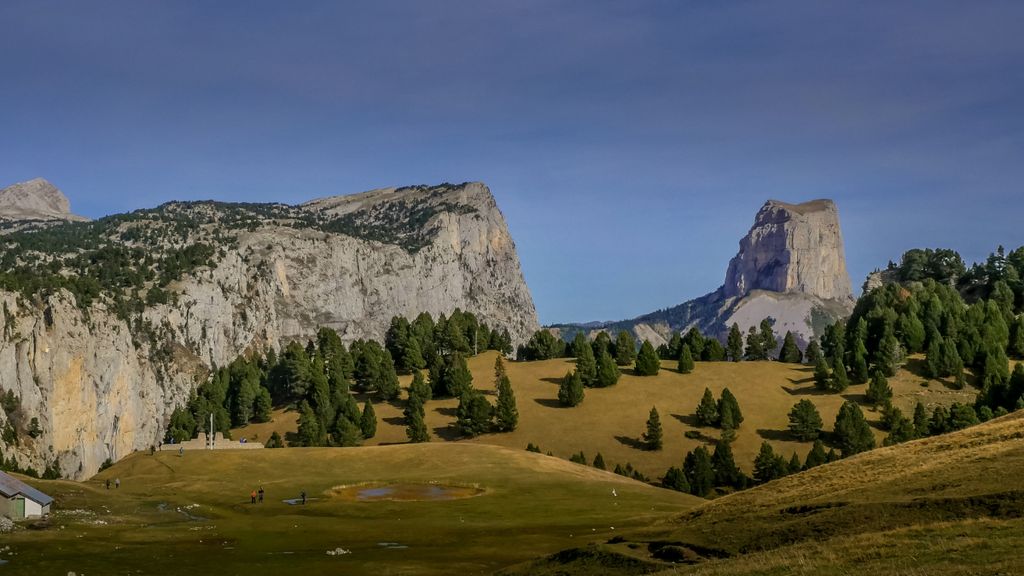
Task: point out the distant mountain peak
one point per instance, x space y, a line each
35 199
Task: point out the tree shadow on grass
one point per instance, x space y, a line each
917 367
446 411
688 419
548 402
861 398
631 442
801 380
806 391
395 420
447 433
552 380
776 435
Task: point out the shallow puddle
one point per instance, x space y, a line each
405 492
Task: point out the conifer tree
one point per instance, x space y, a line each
602 343
933 358
647 361
1016 347
805 421
416 428
794 464
840 381
625 348
346 432
474 414
724 464
813 353
458 378
387 383
696 342
768 341
675 479
700 473
852 432
599 462
920 421
652 438
579 342
310 432
713 351
570 391
607 370
685 360
816 457
586 365
822 375
368 420
767 466
939 421
506 415
419 387
262 406
728 400
675 346
878 391
790 352
755 345
734 344
707 410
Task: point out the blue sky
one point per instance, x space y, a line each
629 144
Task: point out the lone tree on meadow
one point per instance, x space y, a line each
570 391
685 360
790 352
805 421
368 420
647 361
734 344
653 436
506 415
729 415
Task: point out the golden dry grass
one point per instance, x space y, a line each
610 420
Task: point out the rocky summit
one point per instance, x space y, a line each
108 325
790 268
35 199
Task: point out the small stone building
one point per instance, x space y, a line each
19 501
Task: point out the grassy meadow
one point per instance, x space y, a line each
611 420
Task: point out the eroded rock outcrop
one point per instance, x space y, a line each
790 267
103 378
35 199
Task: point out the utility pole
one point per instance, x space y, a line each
212 432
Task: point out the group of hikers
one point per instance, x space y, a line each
254 495
117 483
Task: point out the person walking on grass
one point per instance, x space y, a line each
303 497
261 494
108 483
252 496
117 482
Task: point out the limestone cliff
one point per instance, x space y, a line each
35 199
790 267
208 281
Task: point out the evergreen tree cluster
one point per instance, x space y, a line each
414 344
724 413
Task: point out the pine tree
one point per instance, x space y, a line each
724 464
852 432
586 365
474 414
805 421
685 360
1016 347
768 341
599 462
652 438
419 387
728 400
755 345
310 432
878 391
816 457
675 479
696 342
707 410
790 352
416 428
822 375
920 421
647 361
570 391
700 473
602 343
839 382
607 370
387 384
889 354
675 346
625 348
767 466
813 353
734 344
262 406
368 421
346 432
856 343
506 414
458 378
933 358
794 464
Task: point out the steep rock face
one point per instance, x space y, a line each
35 199
790 267
101 385
792 248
